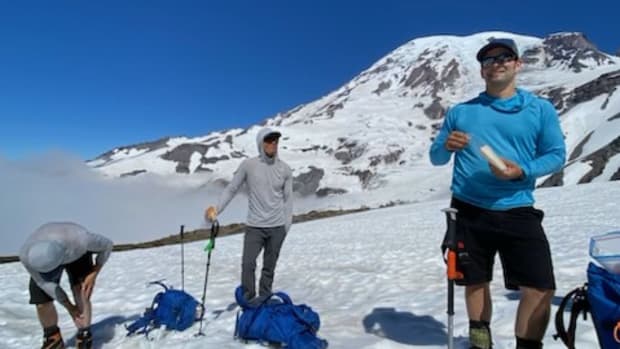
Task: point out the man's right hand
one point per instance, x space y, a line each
457 140
211 214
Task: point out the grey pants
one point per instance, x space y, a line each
255 240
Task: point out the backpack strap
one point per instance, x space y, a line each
302 319
160 283
283 296
296 309
579 299
142 325
244 304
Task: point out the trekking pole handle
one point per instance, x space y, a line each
215 229
451 222
452 271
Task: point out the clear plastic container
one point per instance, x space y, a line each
605 250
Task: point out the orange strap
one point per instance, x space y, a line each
617 332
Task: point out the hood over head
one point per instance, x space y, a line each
260 137
45 256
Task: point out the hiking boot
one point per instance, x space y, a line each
53 341
480 335
84 340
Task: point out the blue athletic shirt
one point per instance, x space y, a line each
523 128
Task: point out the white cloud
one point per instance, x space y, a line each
60 187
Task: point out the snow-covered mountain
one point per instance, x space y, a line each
373 133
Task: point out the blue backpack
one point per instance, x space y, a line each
604 298
278 320
600 296
174 309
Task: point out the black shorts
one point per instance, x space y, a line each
516 234
76 270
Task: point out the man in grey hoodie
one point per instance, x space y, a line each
55 247
269 182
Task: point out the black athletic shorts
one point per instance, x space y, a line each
516 234
77 271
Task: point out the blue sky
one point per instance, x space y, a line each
87 76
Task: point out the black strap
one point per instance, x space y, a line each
579 299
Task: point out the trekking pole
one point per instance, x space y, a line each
452 272
215 228
182 260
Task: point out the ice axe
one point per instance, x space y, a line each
453 274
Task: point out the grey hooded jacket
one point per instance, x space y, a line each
63 243
270 188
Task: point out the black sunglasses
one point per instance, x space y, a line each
499 59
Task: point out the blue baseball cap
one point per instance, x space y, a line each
506 43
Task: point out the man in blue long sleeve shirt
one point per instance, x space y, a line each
495 203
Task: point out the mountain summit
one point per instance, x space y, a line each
373 133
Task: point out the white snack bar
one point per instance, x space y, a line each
491 157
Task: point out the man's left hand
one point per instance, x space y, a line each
513 170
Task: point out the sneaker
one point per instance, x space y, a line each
84 340
53 342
